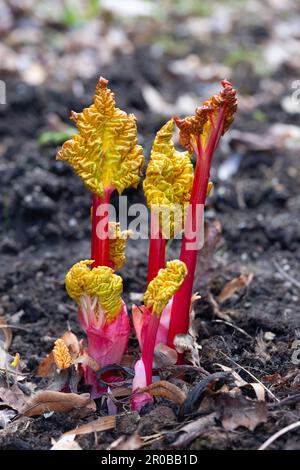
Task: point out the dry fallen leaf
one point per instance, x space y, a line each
233 286
166 390
101 424
48 400
240 411
258 388
11 396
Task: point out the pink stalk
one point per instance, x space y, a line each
147 325
100 246
179 322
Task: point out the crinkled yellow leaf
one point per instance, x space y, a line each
162 288
169 180
117 244
104 153
100 283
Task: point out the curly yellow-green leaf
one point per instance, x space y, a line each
162 288
104 153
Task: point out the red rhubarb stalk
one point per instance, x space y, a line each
179 322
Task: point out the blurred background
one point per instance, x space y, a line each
162 58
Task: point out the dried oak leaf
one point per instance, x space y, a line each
240 411
102 424
48 400
165 389
234 285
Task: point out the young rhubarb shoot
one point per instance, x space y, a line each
102 314
199 134
159 292
106 156
167 188
117 245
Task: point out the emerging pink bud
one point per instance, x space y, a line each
106 344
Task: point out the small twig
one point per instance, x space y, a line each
278 434
251 375
286 275
235 327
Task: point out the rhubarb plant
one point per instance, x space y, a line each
106 155
200 134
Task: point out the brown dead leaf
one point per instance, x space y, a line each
165 389
133 442
7 334
233 286
98 425
46 366
240 411
48 400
